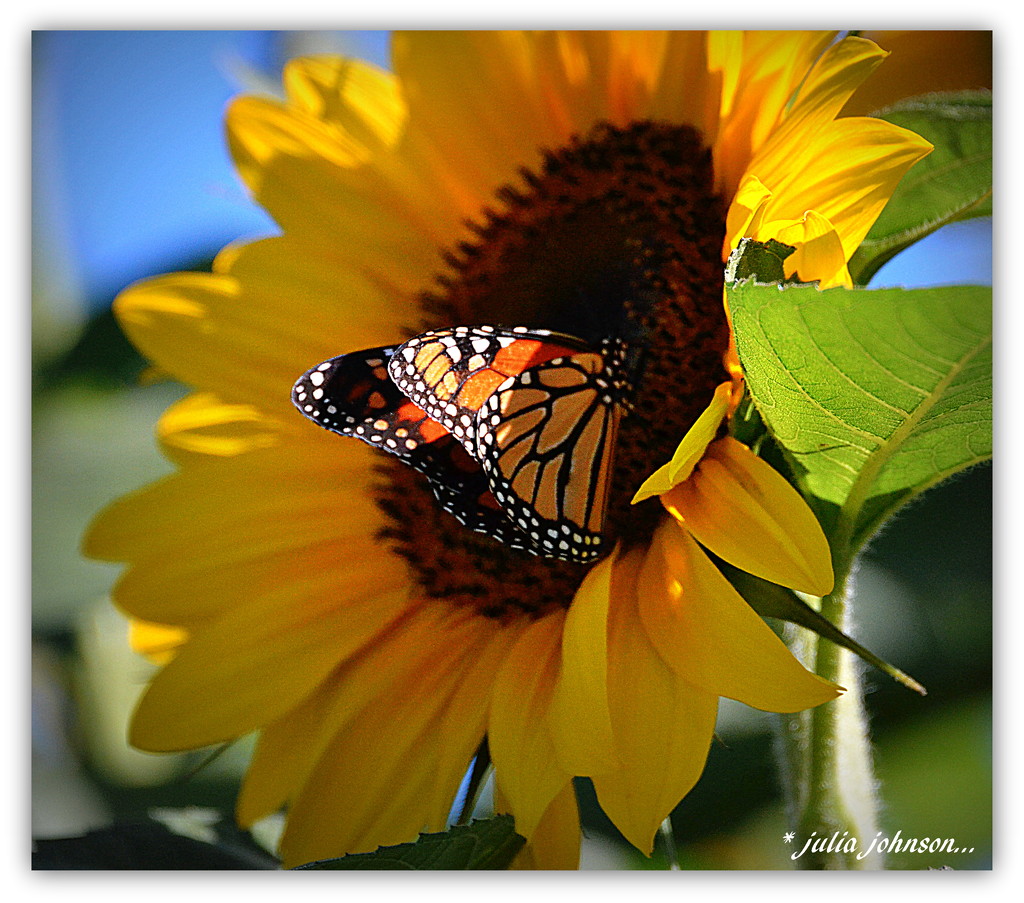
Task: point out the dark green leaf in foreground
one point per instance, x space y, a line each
873 395
487 844
954 182
145 845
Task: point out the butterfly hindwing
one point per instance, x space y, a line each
475 507
545 440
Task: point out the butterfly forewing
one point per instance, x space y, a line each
352 395
451 373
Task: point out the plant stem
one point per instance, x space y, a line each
669 838
826 754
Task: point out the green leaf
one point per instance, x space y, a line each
773 601
953 182
483 844
873 395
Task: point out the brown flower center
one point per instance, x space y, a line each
620 234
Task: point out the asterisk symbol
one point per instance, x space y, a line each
788 836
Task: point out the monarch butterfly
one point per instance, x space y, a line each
513 428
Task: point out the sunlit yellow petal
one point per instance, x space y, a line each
846 173
364 102
745 212
840 70
746 513
520 742
711 638
579 719
761 73
690 449
158 642
662 725
201 424
819 255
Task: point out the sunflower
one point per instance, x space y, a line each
310 590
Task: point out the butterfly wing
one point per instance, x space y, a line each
451 373
352 395
546 438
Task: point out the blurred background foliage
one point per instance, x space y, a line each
131 178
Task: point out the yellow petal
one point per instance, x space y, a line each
202 424
286 751
846 172
289 748
368 107
158 642
194 327
578 718
556 841
381 778
746 513
819 255
316 183
361 100
238 538
708 635
461 87
520 742
687 91
614 76
254 663
745 211
662 725
761 71
319 299
839 71
691 448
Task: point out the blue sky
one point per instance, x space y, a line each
131 172
132 177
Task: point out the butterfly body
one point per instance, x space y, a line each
514 428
